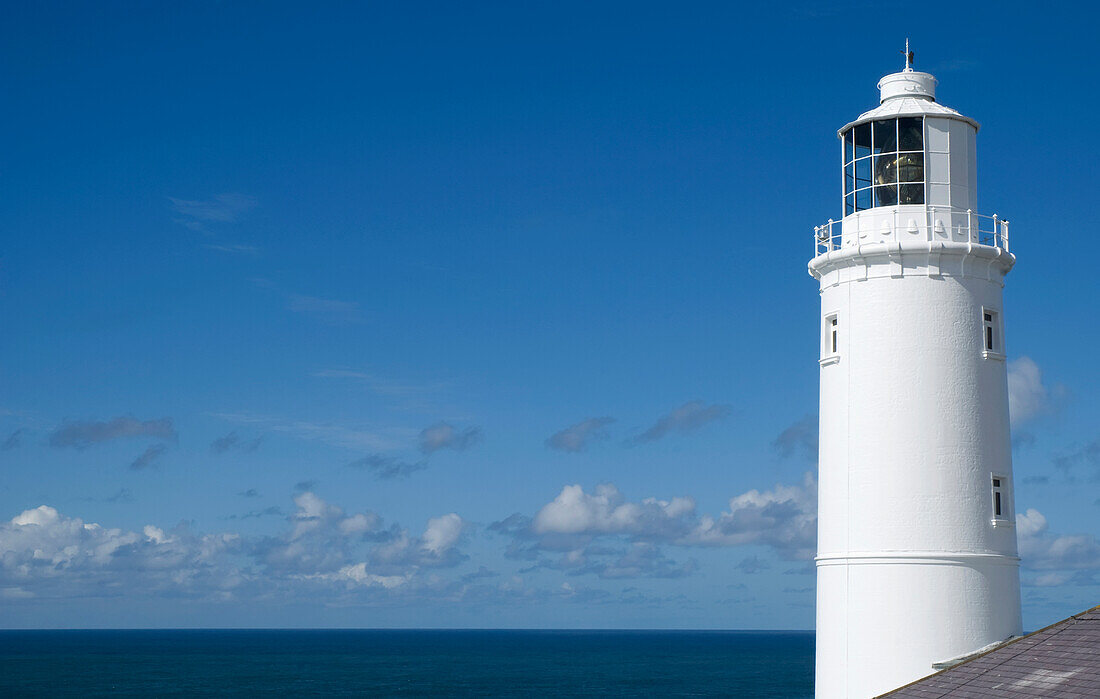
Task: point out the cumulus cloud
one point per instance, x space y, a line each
801 438
223 208
1040 549
14 440
445 436
48 554
1027 395
233 442
602 533
576 438
606 512
148 457
387 468
688 417
322 548
323 539
83 434
442 534
784 518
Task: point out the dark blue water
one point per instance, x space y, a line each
407 663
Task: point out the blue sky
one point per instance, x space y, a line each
485 315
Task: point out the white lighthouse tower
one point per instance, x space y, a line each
916 558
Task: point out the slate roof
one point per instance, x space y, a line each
1062 660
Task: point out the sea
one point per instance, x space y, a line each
403 663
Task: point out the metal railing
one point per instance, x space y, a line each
894 224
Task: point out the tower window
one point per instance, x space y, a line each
830 340
884 164
992 345
1001 501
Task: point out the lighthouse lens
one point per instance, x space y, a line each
911 194
911 167
886 169
886 195
884 164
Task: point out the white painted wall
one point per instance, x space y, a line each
912 569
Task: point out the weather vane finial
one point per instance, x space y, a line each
908 56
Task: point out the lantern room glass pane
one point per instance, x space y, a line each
862 138
863 199
886 169
849 204
911 133
848 146
911 194
863 172
886 136
911 167
849 178
886 195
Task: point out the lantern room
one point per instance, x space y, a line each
908 166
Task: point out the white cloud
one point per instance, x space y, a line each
358 574
604 512
602 533
45 553
1040 549
1027 396
784 518
442 533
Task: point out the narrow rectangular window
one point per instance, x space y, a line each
830 339
991 331
1001 498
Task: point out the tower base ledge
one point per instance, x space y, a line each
917 558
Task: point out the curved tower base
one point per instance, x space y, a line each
883 620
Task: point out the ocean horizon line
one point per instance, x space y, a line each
407 628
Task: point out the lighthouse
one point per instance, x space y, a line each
916 559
